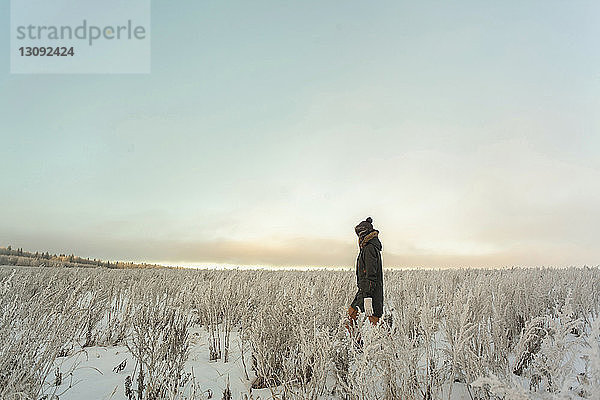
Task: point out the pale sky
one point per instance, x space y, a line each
469 132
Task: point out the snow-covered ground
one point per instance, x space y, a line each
448 335
89 373
92 373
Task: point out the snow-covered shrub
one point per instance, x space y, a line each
589 378
38 316
546 360
160 344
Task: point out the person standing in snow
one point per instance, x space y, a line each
369 274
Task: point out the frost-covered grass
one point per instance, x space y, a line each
198 334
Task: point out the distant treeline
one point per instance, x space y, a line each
10 256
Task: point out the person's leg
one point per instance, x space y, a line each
352 321
352 326
352 317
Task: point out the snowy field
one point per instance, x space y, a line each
93 372
230 334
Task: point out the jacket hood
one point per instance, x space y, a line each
376 242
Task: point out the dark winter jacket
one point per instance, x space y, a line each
369 276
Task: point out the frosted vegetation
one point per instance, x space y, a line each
452 334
